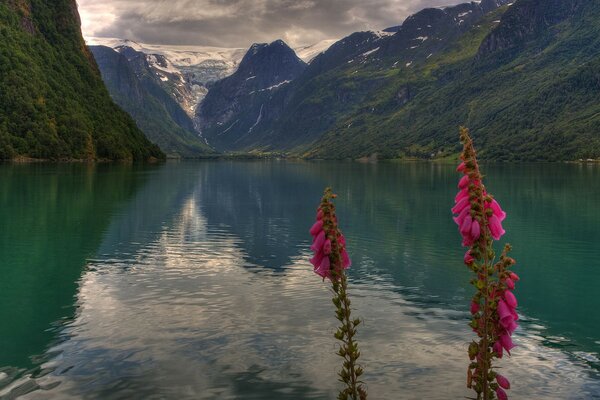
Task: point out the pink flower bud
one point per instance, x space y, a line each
461 167
316 228
514 277
469 258
320 214
501 394
464 182
474 308
502 381
510 299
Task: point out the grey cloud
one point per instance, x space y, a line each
239 23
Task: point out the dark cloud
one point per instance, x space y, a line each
238 23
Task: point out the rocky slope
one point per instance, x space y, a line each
129 79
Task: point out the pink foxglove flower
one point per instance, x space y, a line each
330 261
494 318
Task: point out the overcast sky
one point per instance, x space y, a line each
239 23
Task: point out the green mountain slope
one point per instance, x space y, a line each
154 111
528 90
53 103
523 76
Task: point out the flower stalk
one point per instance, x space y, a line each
493 307
330 262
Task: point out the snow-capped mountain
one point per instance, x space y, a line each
187 72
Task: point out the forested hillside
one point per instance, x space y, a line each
53 103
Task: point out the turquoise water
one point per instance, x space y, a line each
191 280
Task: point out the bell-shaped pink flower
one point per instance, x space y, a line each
461 194
462 203
474 307
512 326
504 314
501 394
461 217
514 277
316 228
324 268
497 347
496 227
464 182
317 259
319 241
510 284
502 381
510 299
461 167
515 315
498 212
465 228
506 342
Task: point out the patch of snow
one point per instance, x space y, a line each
367 53
252 77
422 38
308 53
164 79
382 34
464 14
260 115
230 126
408 64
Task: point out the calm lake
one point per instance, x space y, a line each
191 280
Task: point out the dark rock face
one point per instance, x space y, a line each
526 20
265 69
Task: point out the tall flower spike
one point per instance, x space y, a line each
493 307
330 262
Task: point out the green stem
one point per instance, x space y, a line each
351 349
